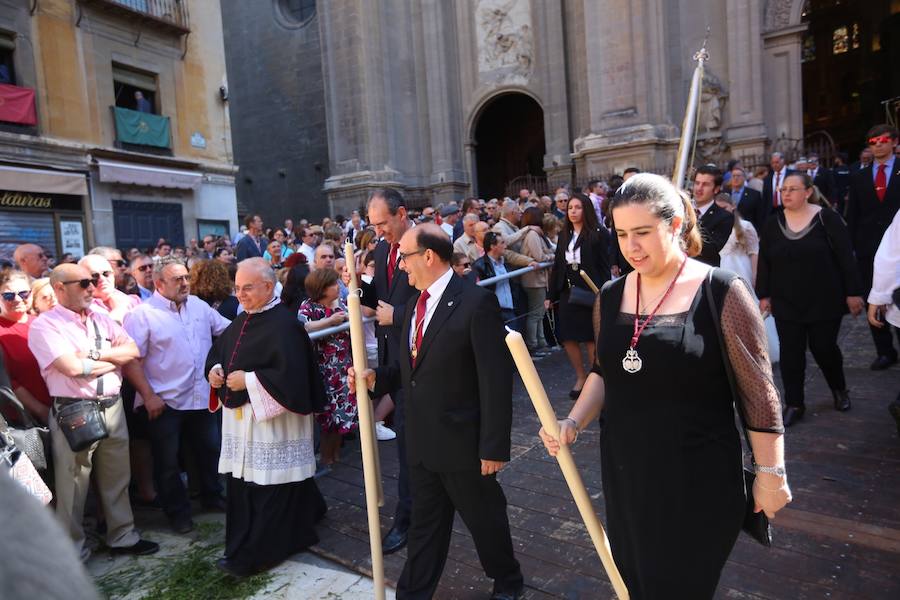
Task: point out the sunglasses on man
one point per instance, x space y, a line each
146 267
96 276
10 296
881 139
84 283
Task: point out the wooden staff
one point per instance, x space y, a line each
367 440
564 457
589 281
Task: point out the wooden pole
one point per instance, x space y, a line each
589 281
367 440
538 395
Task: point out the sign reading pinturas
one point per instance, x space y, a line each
38 201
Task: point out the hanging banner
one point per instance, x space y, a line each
17 105
134 127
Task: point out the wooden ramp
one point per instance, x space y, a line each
840 538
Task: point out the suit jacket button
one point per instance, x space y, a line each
413 383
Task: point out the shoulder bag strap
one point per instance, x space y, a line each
98 344
715 311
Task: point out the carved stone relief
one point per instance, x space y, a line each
778 13
505 41
713 96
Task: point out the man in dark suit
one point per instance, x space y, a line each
773 183
873 200
253 244
715 222
749 202
457 375
387 214
822 178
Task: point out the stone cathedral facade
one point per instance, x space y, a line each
400 92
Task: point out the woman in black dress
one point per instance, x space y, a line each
807 278
671 455
583 244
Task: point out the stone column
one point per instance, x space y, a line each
783 93
746 132
548 21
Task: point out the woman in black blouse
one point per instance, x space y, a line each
583 244
807 278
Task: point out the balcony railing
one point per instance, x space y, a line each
166 14
142 132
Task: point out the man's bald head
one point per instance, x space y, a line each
31 259
254 283
65 280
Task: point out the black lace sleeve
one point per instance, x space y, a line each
596 367
748 350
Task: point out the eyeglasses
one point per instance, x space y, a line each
465 265
121 263
405 255
10 296
184 278
881 139
790 190
84 283
146 267
96 276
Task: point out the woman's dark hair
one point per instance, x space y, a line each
804 177
318 281
532 216
439 243
663 200
294 291
364 237
590 225
490 240
218 251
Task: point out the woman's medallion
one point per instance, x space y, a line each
632 363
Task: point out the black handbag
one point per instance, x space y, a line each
756 524
581 297
81 421
30 438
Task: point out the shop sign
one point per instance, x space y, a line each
38 201
71 233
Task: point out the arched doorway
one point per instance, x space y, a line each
509 143
849 56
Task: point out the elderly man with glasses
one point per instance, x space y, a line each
81 352
106 297
32 260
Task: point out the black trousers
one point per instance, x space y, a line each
404 496
482 506
884 342
821 337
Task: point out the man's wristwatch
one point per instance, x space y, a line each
779 470
94 354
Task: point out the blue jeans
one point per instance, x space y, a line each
201 429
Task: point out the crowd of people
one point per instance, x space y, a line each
223 351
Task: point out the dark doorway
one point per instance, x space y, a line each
850 54
509 137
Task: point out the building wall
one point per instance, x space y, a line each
66 51
277 107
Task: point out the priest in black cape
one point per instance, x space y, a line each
262 369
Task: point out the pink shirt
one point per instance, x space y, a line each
124 304
174 344
60 331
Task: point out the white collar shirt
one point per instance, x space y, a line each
435 291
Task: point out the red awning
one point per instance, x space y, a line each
17 105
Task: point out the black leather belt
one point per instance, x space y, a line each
103 401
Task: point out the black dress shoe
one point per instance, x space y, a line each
216 504
883 362
182 524
841 400
141 548
236 570
507 595
394 540
792 414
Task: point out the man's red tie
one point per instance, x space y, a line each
881 183
421 308
776 191
392 263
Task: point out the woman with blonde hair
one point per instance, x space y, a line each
675 505
43 298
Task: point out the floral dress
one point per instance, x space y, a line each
334 358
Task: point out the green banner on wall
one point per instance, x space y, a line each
147 129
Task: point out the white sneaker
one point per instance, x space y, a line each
383 433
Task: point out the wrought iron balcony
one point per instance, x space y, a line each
169 15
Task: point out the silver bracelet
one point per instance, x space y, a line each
575 425
86 367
